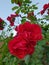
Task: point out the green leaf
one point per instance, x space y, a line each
47 34
16 1
33 19
22 10
15 7
42 42
12 1
27 59
18 10
21 1
23 20
27 1
35 7
46 17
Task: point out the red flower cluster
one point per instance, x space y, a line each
24 43
11 19
1 24
46 6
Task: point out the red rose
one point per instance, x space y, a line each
1 20
25 40
1 24
14 15
20 46
45 7
42 12
11 19
34 29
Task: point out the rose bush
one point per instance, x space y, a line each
30 44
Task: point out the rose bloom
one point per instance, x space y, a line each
34 29
1 24
20 46
42 12
11 18
45 7
25 41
